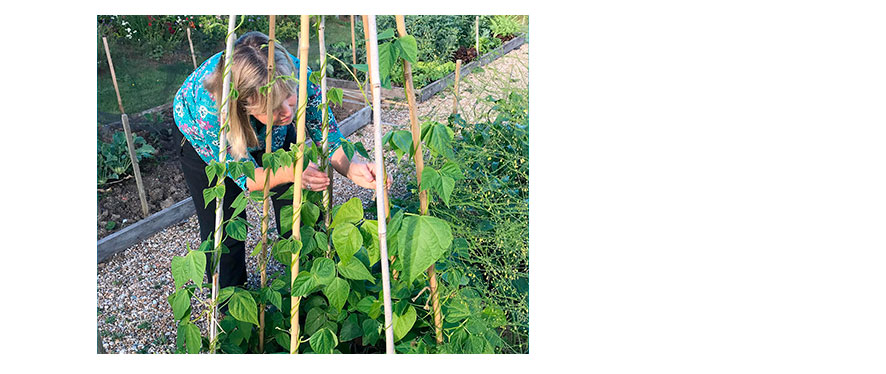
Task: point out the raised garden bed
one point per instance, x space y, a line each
169 201
426 92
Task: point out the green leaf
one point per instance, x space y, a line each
355 270
236 228
321 241
282 338
456 310
447 184
403 140
347 148
370 331
365 304
323 341
334 95
323 271
243 307
256 250
286 218
422 240
180 273
309 213
337 293
369 230
208 196
314 320
387 34
304 283
350 212
195 263
315 77
225 293
431 180
408 48
347 241
452 170
361 67
180 300
239 204
361 150
270 296
277 284
438 137
403 323
350 329
192 338
283 250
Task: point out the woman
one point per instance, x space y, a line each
196 112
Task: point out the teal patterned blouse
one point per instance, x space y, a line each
196 116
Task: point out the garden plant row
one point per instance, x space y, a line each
329 297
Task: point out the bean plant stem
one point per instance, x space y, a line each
128 132
419 166
303 46
222 154
380 183
262 263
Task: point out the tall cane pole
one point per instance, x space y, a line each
266 202
191 44
128 132
380 185
419 166
324 143
303 46
222 155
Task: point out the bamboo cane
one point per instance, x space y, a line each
222 154
128 132
191 44
262 262
353 45
373 94
419 166
324 143
303 46
380 184
455 95
477 35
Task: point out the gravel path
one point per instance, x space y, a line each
132 286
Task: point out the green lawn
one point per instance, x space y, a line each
146 83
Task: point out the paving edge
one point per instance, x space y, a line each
182 210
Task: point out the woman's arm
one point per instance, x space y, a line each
283 175
361 173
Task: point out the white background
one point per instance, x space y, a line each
707 189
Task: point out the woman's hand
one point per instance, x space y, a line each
363 175
313 179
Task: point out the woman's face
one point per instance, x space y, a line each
283 115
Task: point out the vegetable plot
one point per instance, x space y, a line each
331 295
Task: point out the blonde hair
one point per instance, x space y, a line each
249 72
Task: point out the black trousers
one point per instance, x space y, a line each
232 267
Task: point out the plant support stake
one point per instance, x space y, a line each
455 94
303 45
191 44
128 132
324 143
380 184
262 257
419 166
222 154
369 62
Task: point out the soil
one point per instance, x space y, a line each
504 39
164 184
465 54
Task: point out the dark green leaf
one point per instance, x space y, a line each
369 231
361 67
452 170
273 297
192 337
386 34
282 338
236 228
370 331
309 213
243 307
314 320
350 329
323 341
361 150
304 283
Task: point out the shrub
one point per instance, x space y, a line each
504 26
113 158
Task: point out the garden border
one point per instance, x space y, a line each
182 210
425 93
